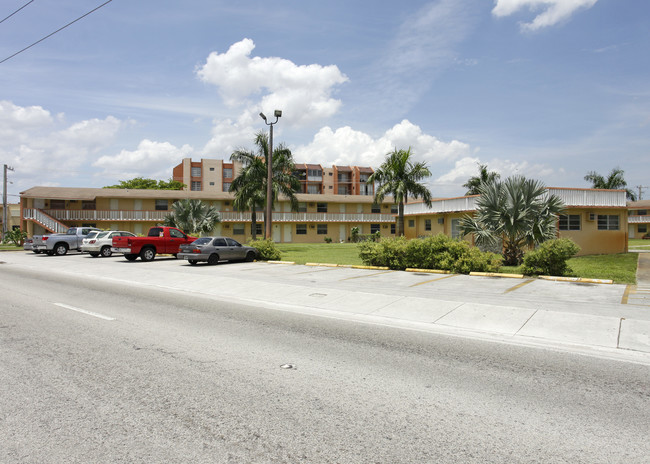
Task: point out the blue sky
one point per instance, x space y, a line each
549 89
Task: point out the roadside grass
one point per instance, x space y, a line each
10 248
638 244
621 268
332 253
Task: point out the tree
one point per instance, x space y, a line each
140 183
400 177
518 211
192 217
613 181
473 183
249 186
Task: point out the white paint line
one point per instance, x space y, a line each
89 313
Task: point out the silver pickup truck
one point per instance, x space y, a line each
59 244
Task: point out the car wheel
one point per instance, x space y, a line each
50 253
213 259
106 251
60 249
250 256
192 261
131 257
94 254
147 254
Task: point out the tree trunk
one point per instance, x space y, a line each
254 225
400 219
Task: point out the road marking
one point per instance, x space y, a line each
84 311
366 275
512 289
626 293
432 280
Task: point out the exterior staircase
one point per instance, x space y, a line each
48 222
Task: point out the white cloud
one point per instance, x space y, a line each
346 146
150 159
302 92
552 11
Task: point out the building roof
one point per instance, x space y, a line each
641 204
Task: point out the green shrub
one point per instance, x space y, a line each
267 249
550 258
15 236
354 234
435 252
328 239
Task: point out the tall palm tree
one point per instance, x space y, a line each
484 176
613 181
249 186
192 216
518 211
400 177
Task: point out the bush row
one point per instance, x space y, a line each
267 250
550 258
435 252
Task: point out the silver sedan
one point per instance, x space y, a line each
215 249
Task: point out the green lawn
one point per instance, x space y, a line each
621 268
638 244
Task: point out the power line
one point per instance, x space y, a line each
58 30
30 1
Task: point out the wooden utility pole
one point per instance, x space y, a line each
4 201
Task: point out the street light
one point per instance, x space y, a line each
269 174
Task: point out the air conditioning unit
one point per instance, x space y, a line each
226 226
441 220
591 216
312 226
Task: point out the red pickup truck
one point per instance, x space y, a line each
158 240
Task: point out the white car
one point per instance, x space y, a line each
102 242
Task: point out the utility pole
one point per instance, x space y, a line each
641 189
4 202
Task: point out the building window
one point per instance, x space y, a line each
321 207
569 222
258 228
57 204
196 186
301 229
162 205
227 173
394 209
375 209
455 228
88 204
642 212
411 222
211 183
427 224
374 228
643 228
239 229
196 172
302 207
608 222
313 189
392 228
226 186
321 229
343 190
314 174
211 169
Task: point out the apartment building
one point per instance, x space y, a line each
638 219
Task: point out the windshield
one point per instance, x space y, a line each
201 241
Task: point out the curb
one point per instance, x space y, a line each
428 271
497 274
577 279
281 262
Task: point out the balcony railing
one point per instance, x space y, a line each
226 216
638 219
46 220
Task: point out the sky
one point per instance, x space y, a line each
547 89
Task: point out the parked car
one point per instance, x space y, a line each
28 245
59 244
215 249
160 239
101 243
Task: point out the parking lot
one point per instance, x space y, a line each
585 316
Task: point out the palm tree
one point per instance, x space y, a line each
249 186
614 181
473 183
518 211
192 217
399 177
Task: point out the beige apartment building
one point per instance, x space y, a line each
332 201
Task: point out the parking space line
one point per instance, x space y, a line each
433 280
512 289
626 293
84 311
366 275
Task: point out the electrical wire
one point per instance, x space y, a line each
30 1
58 30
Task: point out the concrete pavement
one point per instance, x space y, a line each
604 320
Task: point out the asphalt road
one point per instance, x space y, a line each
154 376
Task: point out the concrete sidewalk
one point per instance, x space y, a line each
585 318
